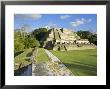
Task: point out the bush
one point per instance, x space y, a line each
18 46
31 42
24 41
88 35
39 33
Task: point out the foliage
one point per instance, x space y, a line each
93 39
39 33
18 41
23 41
18 46
88 35
30 42
84 34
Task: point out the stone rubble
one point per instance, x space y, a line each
53 67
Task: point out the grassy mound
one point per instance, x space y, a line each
23 59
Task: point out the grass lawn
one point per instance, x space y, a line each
80 62
41 56
23 58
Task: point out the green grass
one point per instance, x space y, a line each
41 56
23 58
80 62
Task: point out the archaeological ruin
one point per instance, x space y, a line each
63 40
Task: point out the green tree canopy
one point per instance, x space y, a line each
22 42
31 42
39 33
88 35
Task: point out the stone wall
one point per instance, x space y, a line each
67 47
76 47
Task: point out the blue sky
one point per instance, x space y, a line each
74 22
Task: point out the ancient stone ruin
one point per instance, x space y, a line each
63 40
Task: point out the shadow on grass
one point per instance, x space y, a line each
78 69
24 71
17 53
29 54
79 63
94 55
28 60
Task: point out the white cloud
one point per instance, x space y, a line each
35 16
64 17
28 16
89 20
79 22
51 25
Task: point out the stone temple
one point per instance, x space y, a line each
63 40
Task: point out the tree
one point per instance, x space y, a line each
84 34
88 35
24 29
31 42
18 46
21 43
39 33
93 39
